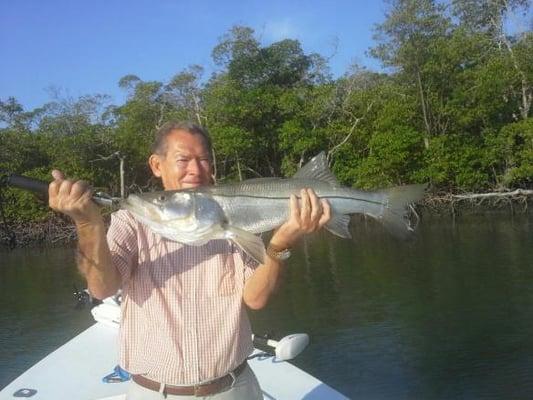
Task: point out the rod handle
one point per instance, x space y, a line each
25 183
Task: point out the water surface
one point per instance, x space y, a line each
446 316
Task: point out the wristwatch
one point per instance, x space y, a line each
278 254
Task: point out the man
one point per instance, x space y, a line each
184 329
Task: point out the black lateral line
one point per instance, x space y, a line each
251 196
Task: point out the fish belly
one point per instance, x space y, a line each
253 214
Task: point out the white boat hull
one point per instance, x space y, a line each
76 369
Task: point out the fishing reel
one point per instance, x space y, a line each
84 298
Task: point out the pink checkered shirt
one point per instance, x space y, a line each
183 318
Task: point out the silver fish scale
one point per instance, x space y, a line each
273 188
260 205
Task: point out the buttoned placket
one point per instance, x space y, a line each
190 344
196 366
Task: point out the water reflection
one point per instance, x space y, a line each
448 315
36 307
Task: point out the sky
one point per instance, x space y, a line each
85 47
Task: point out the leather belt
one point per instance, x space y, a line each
205 389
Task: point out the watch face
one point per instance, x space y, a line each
283 255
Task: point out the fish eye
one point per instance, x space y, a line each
161 198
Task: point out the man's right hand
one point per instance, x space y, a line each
73 198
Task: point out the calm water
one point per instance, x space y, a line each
447 316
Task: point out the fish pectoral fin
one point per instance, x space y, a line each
251 244
338 225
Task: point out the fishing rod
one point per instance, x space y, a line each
41 188
23 182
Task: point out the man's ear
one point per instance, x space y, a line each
155 165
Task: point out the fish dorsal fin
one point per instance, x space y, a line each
317 168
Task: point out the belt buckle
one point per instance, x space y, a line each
199 390
196 390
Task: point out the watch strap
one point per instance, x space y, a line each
278 253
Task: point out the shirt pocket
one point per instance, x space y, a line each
213 273
224 279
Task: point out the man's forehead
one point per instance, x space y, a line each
183 141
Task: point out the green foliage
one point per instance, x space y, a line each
455 162
23 206
486 16
392 157
454 110
509 153
261 94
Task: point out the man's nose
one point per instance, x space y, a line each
193 167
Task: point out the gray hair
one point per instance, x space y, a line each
160 143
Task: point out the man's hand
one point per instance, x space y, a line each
306 216
73 198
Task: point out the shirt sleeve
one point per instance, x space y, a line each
123 243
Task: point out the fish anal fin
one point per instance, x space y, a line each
317 168
251 244
339 225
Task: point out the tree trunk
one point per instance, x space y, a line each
122 190
239 168
527 95
424 109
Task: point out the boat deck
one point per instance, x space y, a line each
76 369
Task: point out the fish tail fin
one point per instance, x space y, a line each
395 208
251 244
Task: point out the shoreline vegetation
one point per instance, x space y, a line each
58 230
515 201
450 104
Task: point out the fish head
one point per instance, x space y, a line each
161 206
182 215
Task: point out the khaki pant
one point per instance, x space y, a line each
246 387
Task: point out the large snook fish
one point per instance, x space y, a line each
238 211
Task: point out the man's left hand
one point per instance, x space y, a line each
307 215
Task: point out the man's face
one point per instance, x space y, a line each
187 163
